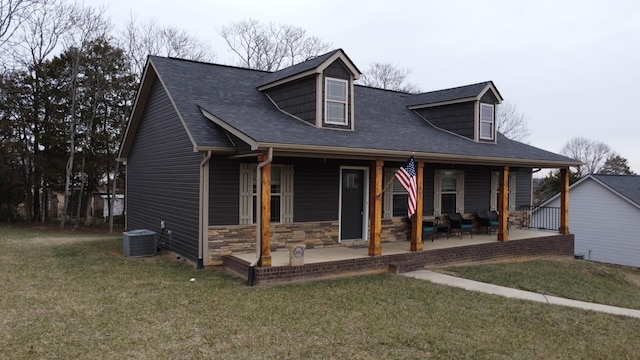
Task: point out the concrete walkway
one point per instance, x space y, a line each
472 285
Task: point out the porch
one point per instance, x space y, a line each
353 258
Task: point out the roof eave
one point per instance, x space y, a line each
366 153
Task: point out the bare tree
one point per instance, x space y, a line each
512 123
592 153
12 14
388 76
41 31
270 46
150 38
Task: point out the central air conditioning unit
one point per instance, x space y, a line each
137 243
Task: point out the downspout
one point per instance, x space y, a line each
252 266
204 203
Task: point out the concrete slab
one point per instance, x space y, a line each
473 285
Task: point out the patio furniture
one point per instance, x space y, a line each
487 220
434 228
428 227
456 221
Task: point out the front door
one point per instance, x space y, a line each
352 202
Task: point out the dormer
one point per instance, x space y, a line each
318 91
468 111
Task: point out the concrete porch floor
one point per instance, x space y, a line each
337 253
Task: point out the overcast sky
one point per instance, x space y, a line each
571 67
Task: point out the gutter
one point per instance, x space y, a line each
252 266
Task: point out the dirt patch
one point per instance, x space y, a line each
633 276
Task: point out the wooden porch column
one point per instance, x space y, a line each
503 205
564 201
375 208
416 222
265 213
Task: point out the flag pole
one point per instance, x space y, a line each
390 181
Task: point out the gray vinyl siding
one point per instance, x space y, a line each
224 191
427 190
163 176
489 98
477 189
297 98
457 118
337 69
316 185
523 187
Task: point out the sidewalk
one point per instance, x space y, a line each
472 285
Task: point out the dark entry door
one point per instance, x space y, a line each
352 204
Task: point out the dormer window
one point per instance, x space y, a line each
487 121
335 101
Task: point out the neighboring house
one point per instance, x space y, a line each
227 157
604 216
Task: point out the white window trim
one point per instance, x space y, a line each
437 192
492 122
495 188
389 174
247 195
327 101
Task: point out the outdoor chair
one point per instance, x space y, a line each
428 228
487 220
457 222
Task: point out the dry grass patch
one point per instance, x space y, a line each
84 300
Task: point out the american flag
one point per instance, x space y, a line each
406 175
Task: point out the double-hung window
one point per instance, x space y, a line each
487 121
335 102
448 192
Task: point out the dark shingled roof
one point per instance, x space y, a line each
382 119
457 93
627 185
297 68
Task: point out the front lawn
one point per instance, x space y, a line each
75 296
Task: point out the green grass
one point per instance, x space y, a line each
573 279
72 296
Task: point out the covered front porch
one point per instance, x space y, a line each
397 256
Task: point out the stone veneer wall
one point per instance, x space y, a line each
235 239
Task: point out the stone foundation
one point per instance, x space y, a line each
236 239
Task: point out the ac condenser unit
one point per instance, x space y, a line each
136 243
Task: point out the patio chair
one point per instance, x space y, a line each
428 228
487 220
457 222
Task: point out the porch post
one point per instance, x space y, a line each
265 213
375 208
564 201
416 222
503 205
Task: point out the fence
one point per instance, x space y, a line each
540 217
